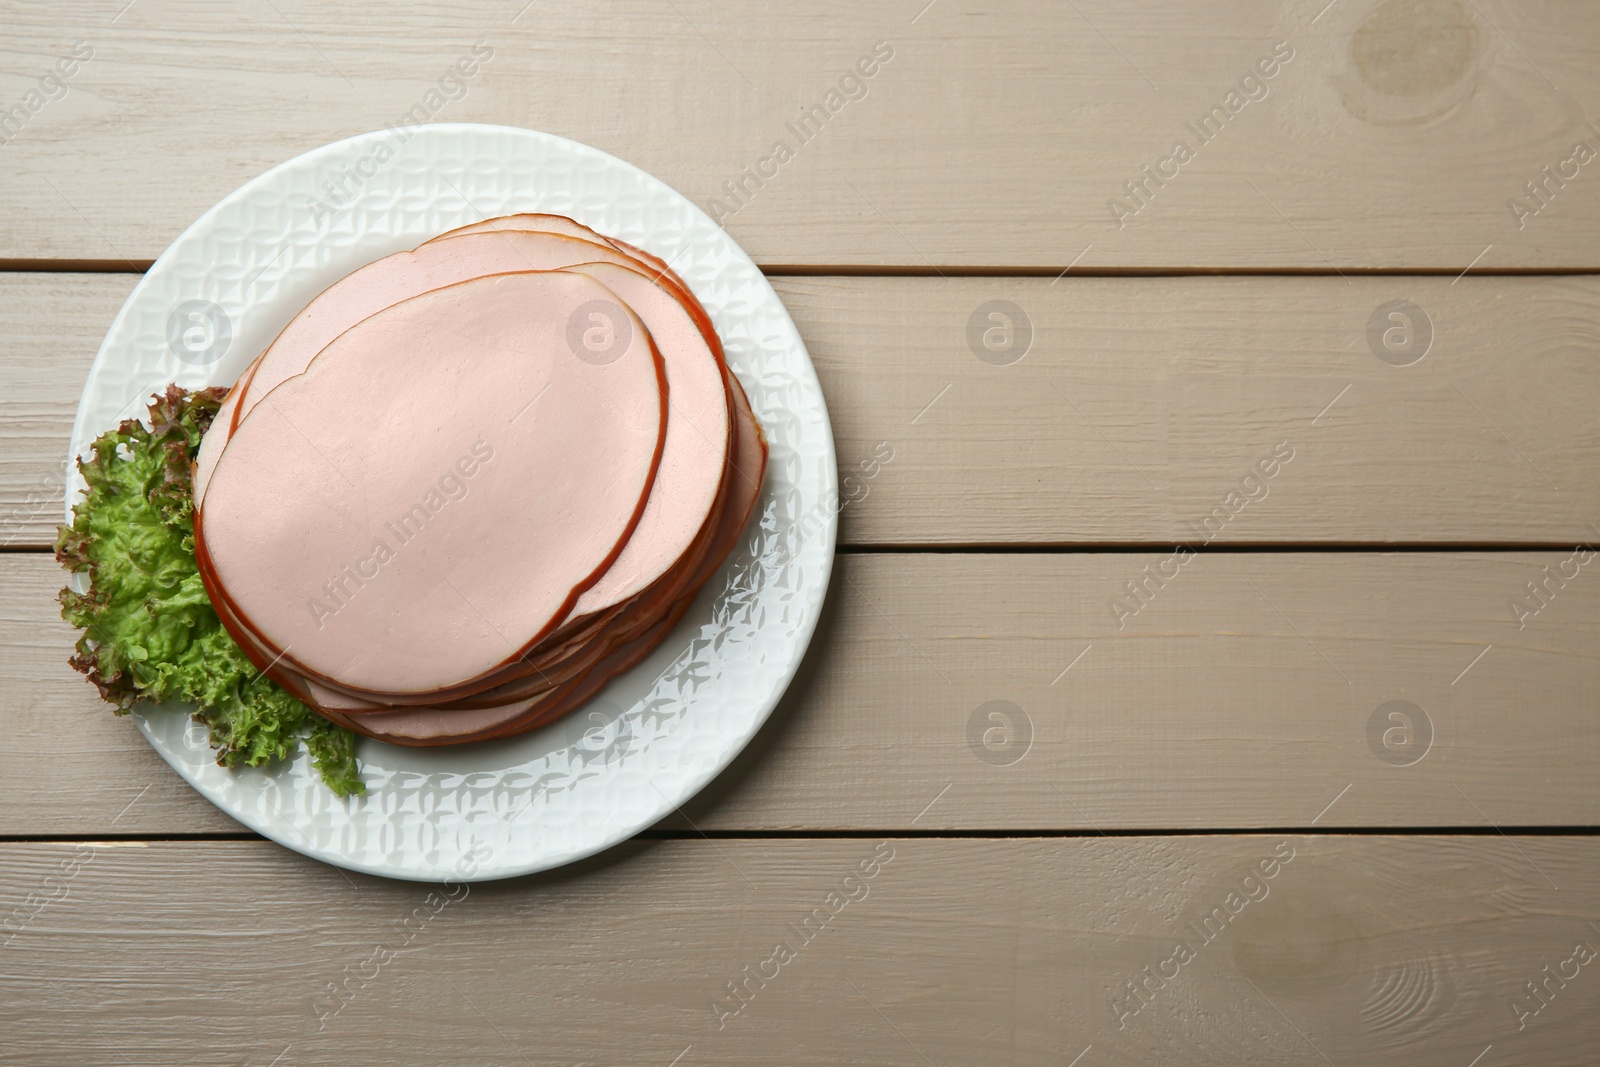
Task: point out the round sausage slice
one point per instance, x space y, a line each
212 444
693 460
444 726
433 493
384 283
653 266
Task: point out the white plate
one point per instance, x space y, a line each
657 734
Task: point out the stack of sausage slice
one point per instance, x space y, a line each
470 483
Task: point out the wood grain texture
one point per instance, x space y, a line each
1397 135
106 774
1359 950
1139 406
1143 403
51 325
1245 693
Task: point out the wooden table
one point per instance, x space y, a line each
1339 350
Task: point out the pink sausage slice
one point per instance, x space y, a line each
211 445
692 462
698 424
559 659
445 726
651 265
535 221
432 494
693 459
386 282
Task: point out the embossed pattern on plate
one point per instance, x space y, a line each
654 736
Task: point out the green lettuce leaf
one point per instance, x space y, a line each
149 631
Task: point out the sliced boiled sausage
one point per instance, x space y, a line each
692 462
429 497
386 282
441 726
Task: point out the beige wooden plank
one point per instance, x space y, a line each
1143 403
51 326
1355 950
1140 406
1253 690
93 768
1394 135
